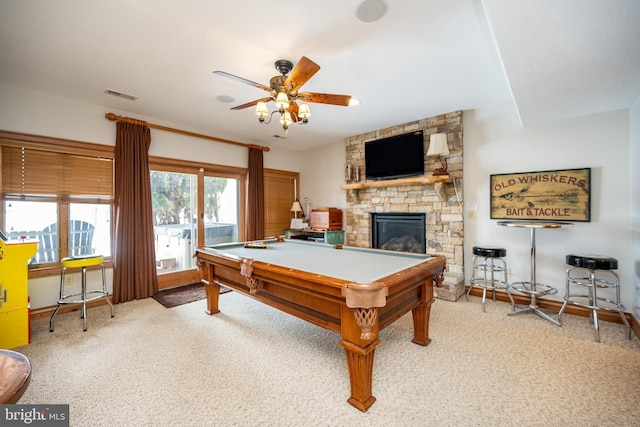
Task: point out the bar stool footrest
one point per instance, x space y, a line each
527 288
585 301
586 282
490 285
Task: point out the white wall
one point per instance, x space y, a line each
634 160
495 143
322 174
39 113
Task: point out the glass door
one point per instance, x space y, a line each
192 207
221 210
174 197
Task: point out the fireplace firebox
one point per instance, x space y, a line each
399 232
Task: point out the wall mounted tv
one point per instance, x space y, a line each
394 157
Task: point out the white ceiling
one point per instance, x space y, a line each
554 58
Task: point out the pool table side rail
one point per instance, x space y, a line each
403 299
280 288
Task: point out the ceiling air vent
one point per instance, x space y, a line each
120 94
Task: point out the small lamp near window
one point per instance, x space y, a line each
438 147
295 208
296 223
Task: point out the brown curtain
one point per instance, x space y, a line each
134 273
255 195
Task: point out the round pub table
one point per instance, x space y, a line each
15 374
532 288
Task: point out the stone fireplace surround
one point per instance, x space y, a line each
441 202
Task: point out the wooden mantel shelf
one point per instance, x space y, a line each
397 182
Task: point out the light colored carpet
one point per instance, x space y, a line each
251 365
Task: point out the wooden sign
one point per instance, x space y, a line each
560 195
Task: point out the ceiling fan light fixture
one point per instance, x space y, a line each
304 112
285 119
282 101
261 110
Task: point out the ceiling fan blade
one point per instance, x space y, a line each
293 110
301 73
251 104
241 80
325 98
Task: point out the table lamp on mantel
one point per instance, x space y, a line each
438 147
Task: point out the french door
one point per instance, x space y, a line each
192 206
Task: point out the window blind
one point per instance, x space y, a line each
31 174
279 194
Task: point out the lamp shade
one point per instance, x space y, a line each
438 145
261 110
282 101
285 119
296 207
304 112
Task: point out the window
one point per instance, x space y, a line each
58 193
32 221
89 229
221 210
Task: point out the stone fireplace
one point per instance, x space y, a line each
440 203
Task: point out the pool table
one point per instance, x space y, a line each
355 292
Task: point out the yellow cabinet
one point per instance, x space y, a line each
14 292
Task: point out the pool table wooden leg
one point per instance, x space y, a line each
421 316
421 323
212 288
360 361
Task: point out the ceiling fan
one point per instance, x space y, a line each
285 92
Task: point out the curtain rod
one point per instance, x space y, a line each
113 117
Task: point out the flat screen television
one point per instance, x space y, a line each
394 157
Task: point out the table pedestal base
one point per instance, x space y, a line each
535 310
534 290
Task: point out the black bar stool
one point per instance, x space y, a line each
81 262
593 272
489 271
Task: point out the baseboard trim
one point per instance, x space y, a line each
553 305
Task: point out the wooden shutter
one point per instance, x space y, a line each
280 190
